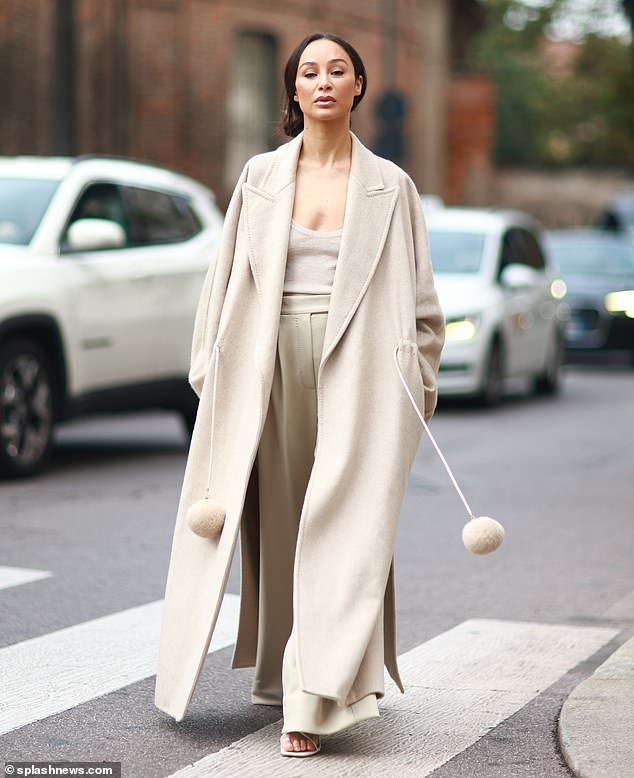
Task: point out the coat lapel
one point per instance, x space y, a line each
369 207
269 208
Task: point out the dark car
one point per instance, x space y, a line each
598 270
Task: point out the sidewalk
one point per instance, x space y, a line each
596 725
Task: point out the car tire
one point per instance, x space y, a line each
26 408
549 382
188 415
491 390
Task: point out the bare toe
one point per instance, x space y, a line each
295 741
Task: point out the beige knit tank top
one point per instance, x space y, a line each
311 260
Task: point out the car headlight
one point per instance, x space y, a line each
558 289
620 302
462 329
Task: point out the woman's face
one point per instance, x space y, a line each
325 85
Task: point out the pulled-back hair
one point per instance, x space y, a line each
293 118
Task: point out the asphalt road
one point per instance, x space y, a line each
556 472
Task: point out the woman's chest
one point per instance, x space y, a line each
320 200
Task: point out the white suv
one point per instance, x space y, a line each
101 265
502 302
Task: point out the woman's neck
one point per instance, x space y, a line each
325 145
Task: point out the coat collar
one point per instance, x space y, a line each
369 207
283 168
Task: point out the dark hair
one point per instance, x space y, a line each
293 118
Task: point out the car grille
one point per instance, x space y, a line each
585 319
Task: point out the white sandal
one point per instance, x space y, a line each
314 739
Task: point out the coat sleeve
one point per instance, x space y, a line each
430 321
213 292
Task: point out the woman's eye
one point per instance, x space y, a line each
337 72
309 75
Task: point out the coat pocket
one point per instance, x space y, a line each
406 361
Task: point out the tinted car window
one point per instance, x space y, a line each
531 252
101 201
159 217
520 247
511 250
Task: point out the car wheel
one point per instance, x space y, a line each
26 408
493 381
188 415
549 382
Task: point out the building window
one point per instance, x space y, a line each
253 107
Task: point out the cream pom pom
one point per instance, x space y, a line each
482 535
206 518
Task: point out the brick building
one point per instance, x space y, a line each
196 84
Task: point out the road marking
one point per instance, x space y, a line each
52 673
459 686
16 576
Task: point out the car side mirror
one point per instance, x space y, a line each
516 276
94 235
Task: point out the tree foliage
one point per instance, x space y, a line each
575 108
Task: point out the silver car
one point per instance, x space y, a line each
501 300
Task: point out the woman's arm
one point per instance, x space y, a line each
430 321
213 292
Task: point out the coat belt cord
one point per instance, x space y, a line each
213 416
431 437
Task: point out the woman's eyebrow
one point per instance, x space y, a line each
330 62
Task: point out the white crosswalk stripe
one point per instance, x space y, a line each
459 686
16 576
52 673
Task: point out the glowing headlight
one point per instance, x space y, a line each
462 329
558 289
621 302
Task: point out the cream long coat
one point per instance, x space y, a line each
382 298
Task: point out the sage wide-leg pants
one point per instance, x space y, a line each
284 461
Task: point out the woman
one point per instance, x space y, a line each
305 437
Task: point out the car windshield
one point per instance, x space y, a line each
593 257
456 252
22 205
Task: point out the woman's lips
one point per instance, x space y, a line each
325 100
